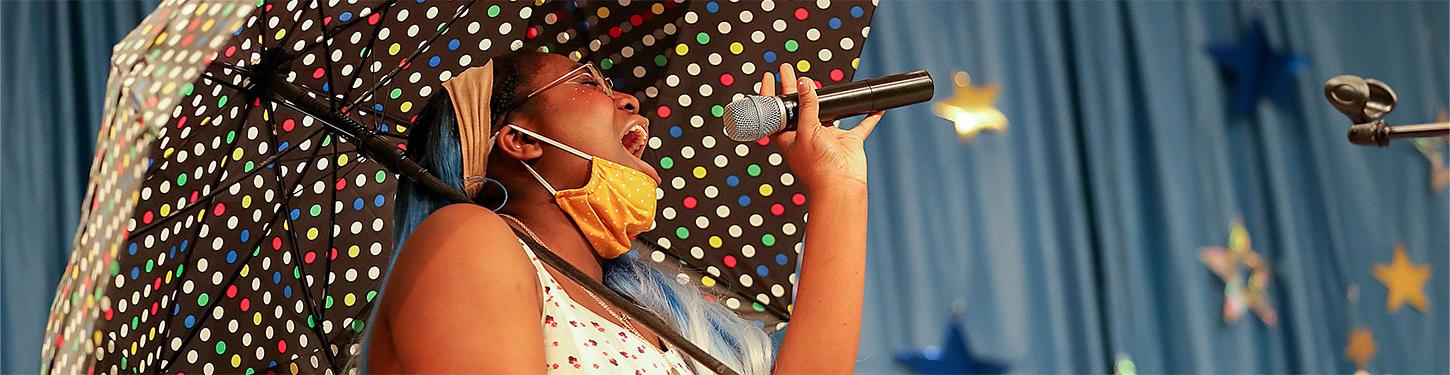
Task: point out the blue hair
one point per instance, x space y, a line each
435 145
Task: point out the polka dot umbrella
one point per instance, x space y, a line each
230 229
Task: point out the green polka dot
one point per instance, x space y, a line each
135 322
317 209
364 52
371 295
757 306
767 239
115 270
150 264
682 232
201 300
188 89
231 137
667 162
357 325
544 49
792 45
181 179
753 170
717 110
397 92
180 269
380 177
248 167
297 273
221 102
702 38
250 371
310 322
606 63
661 60
327 140
328 303
494 10
221 347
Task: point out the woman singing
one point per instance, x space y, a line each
561 151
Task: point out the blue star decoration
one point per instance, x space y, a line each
952 357
1258 70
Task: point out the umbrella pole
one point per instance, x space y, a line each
385 153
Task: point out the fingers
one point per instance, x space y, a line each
808 113
783 140
868 124
767 85
787 79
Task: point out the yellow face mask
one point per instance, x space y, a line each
616 204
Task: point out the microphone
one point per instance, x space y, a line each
754 117
1366 102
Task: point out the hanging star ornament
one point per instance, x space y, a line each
971 109
1433 149
1241 294
1405 281
952 357
1360 348
1258 70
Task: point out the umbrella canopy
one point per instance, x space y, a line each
255 238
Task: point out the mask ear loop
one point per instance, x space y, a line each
502 188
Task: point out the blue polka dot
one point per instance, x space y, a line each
184 245
131 249
732 180
762 270
712 7
780 259
135 273
378 107
190 321
273 364
857 12
769 56
172 253
676 132
247 233
175 309
357 204
434 61
287 291
453 44
231 256
346 16
378 200
744 200
295 214
277 277
835 23
326 87
282 146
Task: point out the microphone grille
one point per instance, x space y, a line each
753 117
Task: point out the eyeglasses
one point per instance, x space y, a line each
585 74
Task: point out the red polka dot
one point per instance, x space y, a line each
276 243
636 20
326 20
341 184
231 51
837 75
194 196
777 209
146 217
220 209
664 111
110 313
288 125
333 254
533 32
181 122
614 32
727 79
311 256
282 345
317 74
799 199
246 304
763 141
730 261
231 291
690 202
373 19
801 14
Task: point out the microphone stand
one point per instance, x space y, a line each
1366 102
1380 133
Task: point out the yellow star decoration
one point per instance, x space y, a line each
1405 281
971 109
1360 347
1431 148
1241 294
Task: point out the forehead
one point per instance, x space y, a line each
551 66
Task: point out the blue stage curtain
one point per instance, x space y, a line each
1074 237
55 62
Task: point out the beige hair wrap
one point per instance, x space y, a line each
471 93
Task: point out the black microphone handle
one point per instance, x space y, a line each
865 96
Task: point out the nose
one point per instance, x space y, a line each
626 102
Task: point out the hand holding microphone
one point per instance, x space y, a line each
822 157
757 116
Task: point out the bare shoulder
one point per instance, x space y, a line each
462 273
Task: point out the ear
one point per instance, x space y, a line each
517 145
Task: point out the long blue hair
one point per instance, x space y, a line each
434 143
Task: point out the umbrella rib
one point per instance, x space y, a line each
387 78
372 42
280 184
171 313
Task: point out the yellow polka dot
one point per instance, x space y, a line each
657 8
247 201
715 242
168 278
407 106
737 48
699 172
349 299
353 251
257 318
803 66
603 12
312 234
208 25
707 281
342 160
766 190
281 33
293 368
236 360
237 154
245 269
166 210
168 152
682 49
855 62
394 49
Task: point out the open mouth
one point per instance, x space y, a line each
634 140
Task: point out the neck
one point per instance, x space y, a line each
539 213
